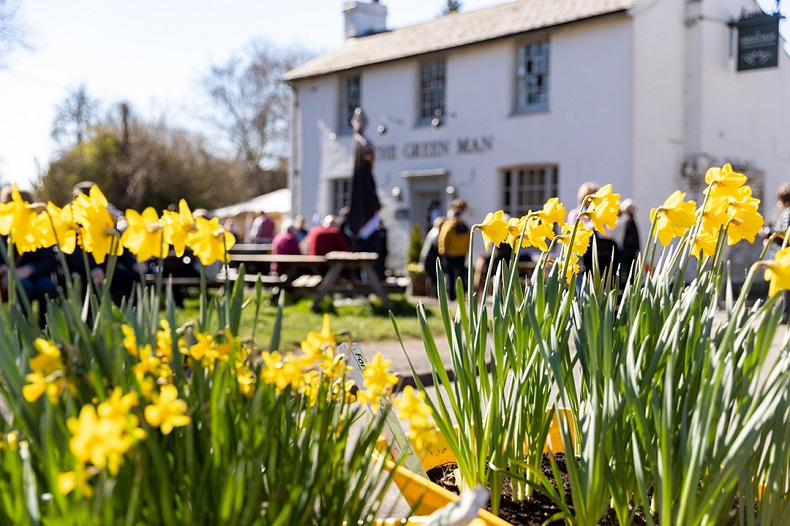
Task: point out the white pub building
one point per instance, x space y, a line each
510 105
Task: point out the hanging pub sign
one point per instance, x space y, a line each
758 41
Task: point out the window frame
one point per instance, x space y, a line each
513 195
345 104
521 79
339 193
426 109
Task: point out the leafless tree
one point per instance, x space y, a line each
249 107
12 31
74 117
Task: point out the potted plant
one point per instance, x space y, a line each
669 410
417 275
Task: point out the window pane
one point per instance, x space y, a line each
528 188
532 76
350 100
432 87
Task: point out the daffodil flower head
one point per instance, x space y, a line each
673 218
723 181
581 241
705 243
553 211
210 242
143 235
99 236
65 229
100 441
177 226
745 221
778 272
603 208
411 404
494 229
315 342
167 411
19 220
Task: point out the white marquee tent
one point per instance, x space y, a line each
277 202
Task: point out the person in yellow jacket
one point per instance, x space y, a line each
453 246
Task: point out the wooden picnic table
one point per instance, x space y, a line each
362 263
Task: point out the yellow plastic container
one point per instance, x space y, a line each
425 497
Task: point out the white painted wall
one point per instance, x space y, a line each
630 97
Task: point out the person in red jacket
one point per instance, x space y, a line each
326 238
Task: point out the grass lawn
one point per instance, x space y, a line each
363 322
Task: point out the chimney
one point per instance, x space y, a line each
364 19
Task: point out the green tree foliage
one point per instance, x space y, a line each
156 166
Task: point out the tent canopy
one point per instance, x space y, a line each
278 201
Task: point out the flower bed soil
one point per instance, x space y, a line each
537 509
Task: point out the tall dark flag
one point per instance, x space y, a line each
364 199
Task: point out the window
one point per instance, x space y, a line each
432 82
341 194
350 99
527 188
532 77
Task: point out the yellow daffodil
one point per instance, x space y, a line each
377 375
119 405
100 441
778 272
494 229
723 181
129 340
246 380
581 242
603 208
705 243
67 482
411 404
553 211
164 340
144 237
48 359
716 214
517 225
65 229
673 218
36 386
281 371
167 411
177 226
745 221
422 435
99 236
19 220
378 381
210 242
315 342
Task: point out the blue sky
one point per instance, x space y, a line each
151 53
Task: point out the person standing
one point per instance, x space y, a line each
780 226
262 229
453 246
628 238
429 254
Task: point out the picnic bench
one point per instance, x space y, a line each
345 273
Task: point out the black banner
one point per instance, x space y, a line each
758 41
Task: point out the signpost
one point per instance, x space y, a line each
758 40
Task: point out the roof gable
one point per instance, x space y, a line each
455 30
